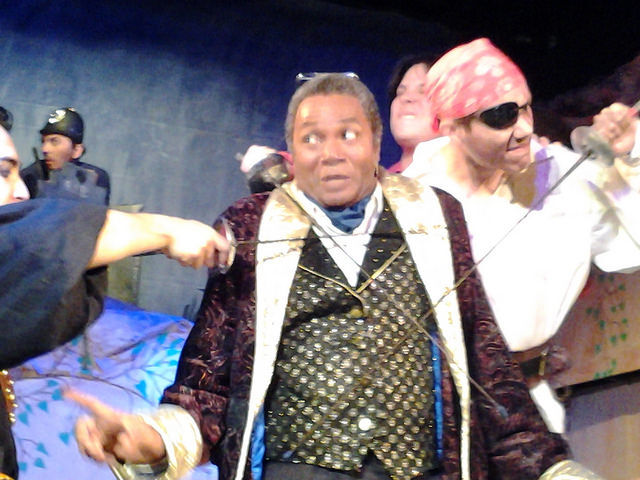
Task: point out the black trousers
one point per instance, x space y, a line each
372 469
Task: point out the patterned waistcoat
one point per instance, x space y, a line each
354 370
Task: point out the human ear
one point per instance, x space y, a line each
78 150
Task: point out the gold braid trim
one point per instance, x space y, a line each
9 394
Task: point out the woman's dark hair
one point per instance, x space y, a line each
405 64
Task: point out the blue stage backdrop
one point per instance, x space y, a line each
172 91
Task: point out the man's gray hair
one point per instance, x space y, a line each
335 84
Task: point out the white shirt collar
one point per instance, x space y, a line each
347 250
371 212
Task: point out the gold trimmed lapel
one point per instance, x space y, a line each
276 263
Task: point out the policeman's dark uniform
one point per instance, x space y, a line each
76 180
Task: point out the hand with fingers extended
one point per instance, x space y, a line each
108 435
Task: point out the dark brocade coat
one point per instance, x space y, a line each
46 297
213 381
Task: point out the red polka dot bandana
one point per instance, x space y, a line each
470 78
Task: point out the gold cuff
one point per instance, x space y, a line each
569 470
182 441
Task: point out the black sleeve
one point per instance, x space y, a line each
46 297
104 182
30 176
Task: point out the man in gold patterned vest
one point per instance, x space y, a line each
351 337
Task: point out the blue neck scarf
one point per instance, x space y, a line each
345 218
